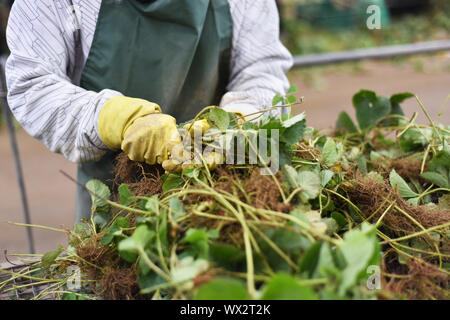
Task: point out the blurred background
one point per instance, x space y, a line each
309 27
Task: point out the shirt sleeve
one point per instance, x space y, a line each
41 93
259 59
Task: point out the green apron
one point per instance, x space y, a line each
175 53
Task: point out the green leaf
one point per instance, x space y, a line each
310 183
285 287
152 204
250 126
142 236
415 139
289 241
277 99
294 120
225 255
327 262
370 108
73 296
309 259
163 232
290 175
331 152
101 219
291 99
362 164
285 156
294 133
321 141
125 195
360 250
191 173
339 218
437 179
325 177
222 289
292 89
219 118
108 237
332 225
413 201
99 193
148 281
270 123
122 222
398 183
198 240
345 122
172 181
187 269
400 97
49 258
396 109
177 207
69 296
442 158
135 244
115 230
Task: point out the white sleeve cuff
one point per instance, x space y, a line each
239 102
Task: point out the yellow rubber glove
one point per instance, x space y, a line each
139 128
212 160
177 161
150 139
198 126
203 125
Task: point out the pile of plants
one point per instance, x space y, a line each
362 213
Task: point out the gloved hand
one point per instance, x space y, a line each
198 126
178 164
182 159
242 101
138 128
203 125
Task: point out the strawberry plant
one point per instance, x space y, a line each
362 213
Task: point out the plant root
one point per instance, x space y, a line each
374 198
94 256
414 280
119 284
142 179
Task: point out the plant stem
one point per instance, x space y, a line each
153 266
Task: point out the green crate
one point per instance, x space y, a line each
343 14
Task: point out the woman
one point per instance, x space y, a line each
89 77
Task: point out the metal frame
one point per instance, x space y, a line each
371 53
16 155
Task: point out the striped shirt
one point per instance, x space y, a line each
50 42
